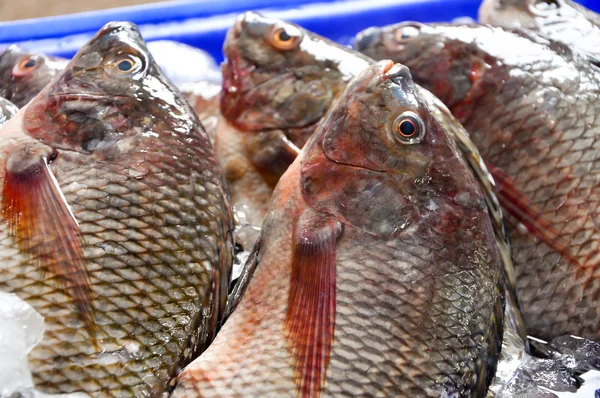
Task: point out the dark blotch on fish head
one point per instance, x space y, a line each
23 75
444 59
381 161
278 75
112 91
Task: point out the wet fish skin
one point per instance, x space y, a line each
274 96
289 88
401 325
141 179
564 21
531 108
20 82
7 110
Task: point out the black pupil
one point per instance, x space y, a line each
125 65
407 128
283 36
547 4
30 64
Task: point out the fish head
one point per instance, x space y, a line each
279 75
23 74
521 13
444 59
110 97
381 161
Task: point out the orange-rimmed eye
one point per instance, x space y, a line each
126 64
406 32
25 66
409 128
285 38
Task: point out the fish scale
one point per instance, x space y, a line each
536 118
156 232
418 311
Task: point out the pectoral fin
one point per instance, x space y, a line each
310 318
41 221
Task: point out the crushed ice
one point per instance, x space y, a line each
22 328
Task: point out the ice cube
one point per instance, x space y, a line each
22 328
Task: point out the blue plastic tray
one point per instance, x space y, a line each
203 23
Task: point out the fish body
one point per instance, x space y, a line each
530 106
23 74
561 20
117 227
376 271
7 110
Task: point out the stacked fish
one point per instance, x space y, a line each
404 214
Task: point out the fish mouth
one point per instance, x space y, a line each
347 164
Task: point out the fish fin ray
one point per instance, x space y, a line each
310 318
525 212
41 221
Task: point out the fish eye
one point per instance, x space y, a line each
545 6
406 33
285 38
126 64
409 128
25 66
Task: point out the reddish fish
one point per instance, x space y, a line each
116 225
23 74
531 106
376 271
279 80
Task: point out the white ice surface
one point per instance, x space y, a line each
21 329
588 390
183 64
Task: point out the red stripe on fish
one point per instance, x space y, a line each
519 206
310 318
41 221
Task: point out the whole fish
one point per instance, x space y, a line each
247 44
23 74
376 271
561 20
530 106
279 80
7 110
116 223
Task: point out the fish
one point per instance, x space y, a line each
530 108
116 223
376 271
564 21
7 110
247 43
279 80
24 74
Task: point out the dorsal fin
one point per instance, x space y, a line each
44 228
310 318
